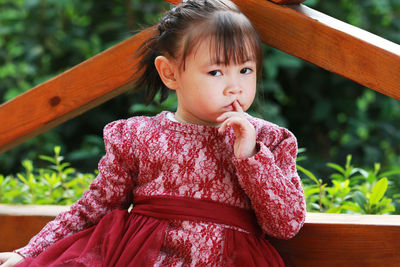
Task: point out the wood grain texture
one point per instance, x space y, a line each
69 94
325 240
342 244
16 231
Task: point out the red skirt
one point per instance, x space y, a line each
123 238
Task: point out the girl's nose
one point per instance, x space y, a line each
233 88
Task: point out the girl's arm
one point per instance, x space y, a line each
110 190
270 180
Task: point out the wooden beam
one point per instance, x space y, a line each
325 239
343 240
19 223
69 94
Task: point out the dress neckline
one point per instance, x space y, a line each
188 128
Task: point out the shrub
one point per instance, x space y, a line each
349 190
59 184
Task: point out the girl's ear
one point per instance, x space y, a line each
167 71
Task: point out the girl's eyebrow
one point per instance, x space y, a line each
215 62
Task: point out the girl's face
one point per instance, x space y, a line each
206 90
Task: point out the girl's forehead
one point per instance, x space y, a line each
207 51
225 38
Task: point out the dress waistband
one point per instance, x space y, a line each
181 208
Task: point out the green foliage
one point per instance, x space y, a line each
40 39
350 190
58 184
155 107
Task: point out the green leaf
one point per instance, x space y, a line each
360 199
336 167
363 172
311 191
57 150
378 191
301 150
337 176
28 165
334 210
22 178
301 158
350 206
377 167
308 173
348 162
49 159
386 206
389 173
315 206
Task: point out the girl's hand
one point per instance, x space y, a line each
9 259
245 142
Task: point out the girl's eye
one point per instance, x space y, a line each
246 71
215 73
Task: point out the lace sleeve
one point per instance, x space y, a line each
271 182
111 189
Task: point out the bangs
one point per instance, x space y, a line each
233 39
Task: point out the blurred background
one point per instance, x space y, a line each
331 116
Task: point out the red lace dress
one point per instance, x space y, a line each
195 204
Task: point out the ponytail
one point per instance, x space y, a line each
149 80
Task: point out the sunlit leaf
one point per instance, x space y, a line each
378 191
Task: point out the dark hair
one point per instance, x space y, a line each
232 36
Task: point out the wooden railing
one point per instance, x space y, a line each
325 240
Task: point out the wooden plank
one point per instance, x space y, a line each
343 240
325 239
342 244
329 43
352 219
32 210
69 94
16 231
19 223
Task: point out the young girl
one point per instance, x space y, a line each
207 182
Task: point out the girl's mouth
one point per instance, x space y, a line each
229 107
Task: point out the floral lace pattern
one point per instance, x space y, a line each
192 244
153 156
